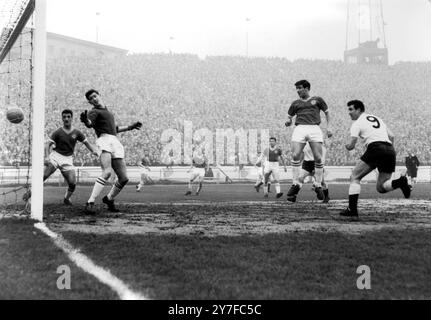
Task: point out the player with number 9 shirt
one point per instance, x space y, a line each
380 154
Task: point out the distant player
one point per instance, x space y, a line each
144 165
308 170
60 148
198 168
259 166
169 160
112 152
412 164
307 111
273 155
380 154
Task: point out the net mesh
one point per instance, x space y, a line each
16 53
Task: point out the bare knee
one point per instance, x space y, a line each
72 187
123 181
380 188
122 178
296 156
106 174
355 179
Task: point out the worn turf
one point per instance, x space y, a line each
211 192
310 265
228 243
28 267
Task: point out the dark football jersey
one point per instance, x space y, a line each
145 161
412 162
307 112
273 154
103 121
65 142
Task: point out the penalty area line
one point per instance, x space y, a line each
85 263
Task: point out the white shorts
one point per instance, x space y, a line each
111 144
64 163
303 133
144 171
197 172
272 167
260 173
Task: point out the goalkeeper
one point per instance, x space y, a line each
110 149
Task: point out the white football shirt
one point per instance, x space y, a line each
308 153
370 128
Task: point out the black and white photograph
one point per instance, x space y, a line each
215 154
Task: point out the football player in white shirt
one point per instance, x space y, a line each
380 154
144 166
200 165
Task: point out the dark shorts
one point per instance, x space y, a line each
380 155
412 172
308 166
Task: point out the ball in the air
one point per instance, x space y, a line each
15 115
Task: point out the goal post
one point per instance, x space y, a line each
39 75
11 33
22 84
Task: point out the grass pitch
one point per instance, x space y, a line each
29 263
228 243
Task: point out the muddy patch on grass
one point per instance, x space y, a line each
238 218
14 213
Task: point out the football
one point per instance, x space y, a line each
15 115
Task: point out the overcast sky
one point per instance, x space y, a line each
286 28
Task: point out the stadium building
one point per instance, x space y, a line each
59 46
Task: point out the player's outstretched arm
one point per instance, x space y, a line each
350 146
328 127
283 161
288 122
90 148
136 125
48 149
84 119
390 135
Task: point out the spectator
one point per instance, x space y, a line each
412 164
229 92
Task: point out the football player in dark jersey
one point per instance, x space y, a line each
60 148
101 119
307 111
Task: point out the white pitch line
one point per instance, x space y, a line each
85 263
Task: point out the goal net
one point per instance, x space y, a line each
17 90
